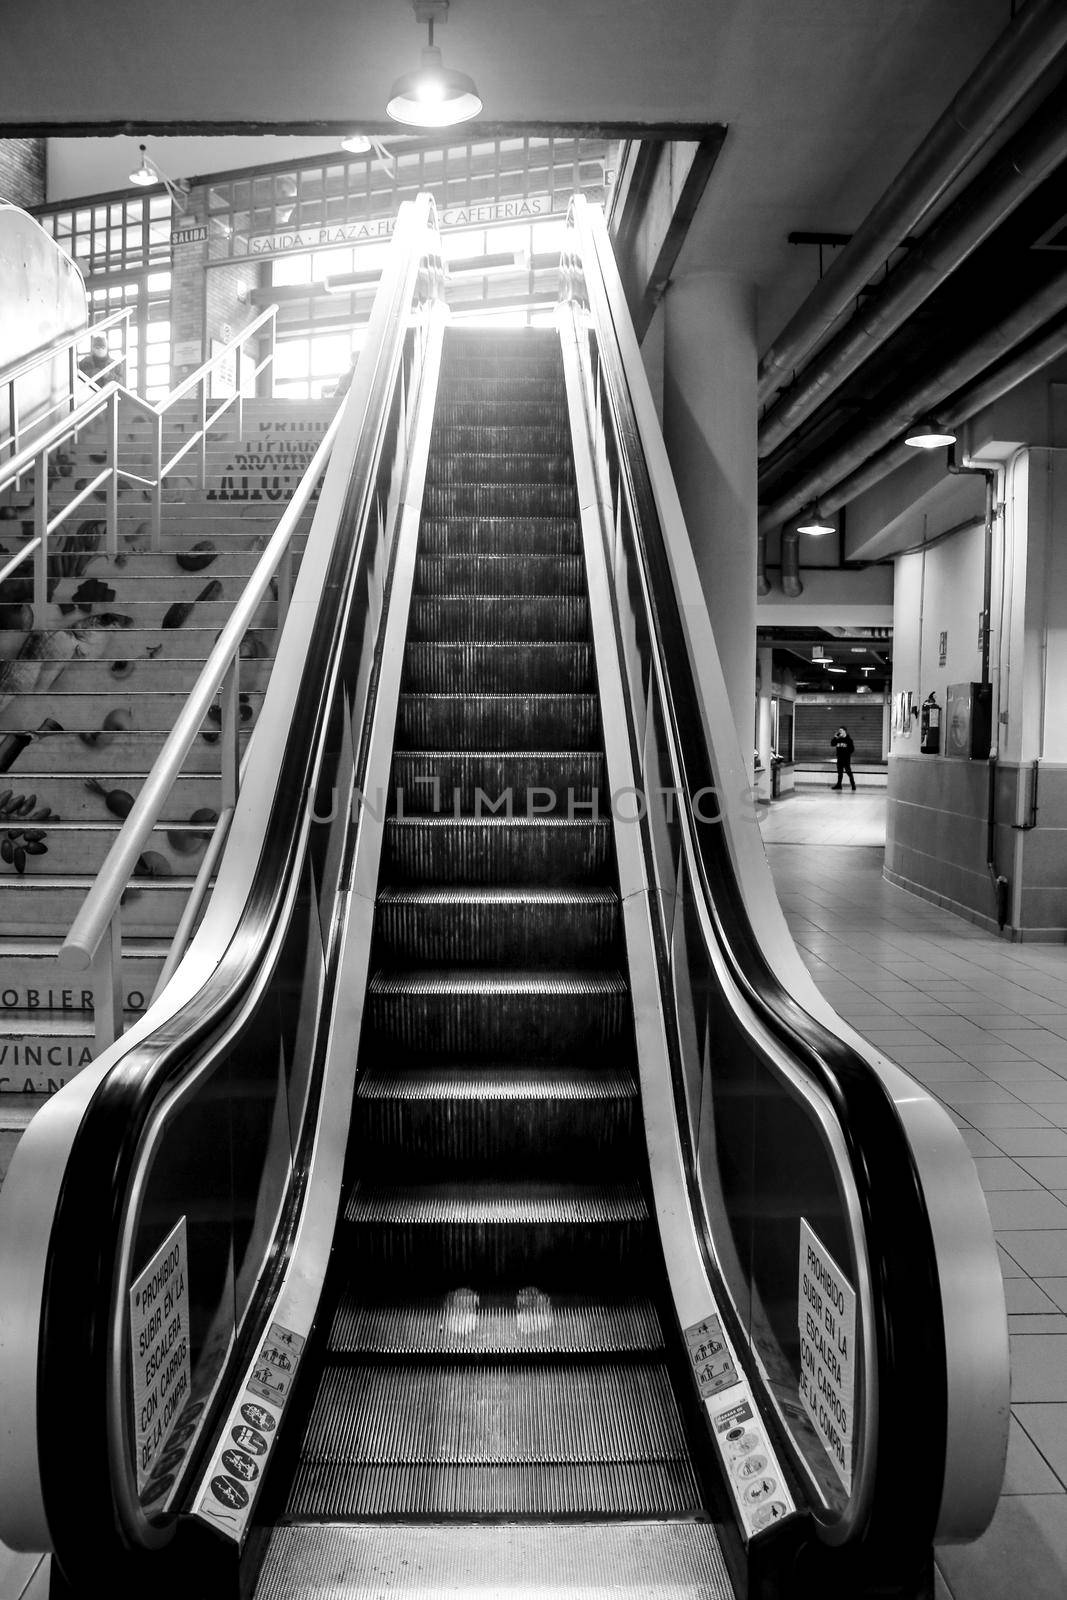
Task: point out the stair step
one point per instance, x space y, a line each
497 926
470 781
149 674
71 799
468 1321
546 499
31 980
548 536
476 1121
66 752
677 1560
579 1236
481 668
193 642
497 721
79 711
483 851
46 906
82 847
514 618
485 1015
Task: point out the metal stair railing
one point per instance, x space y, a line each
35 457
74 390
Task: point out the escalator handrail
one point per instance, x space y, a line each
89 1134
933 1163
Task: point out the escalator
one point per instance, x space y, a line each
522 1216
496 1349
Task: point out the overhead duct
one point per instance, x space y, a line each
1033 39
792 587
1025 163
763 583
999 380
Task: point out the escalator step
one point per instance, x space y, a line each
441 1490
503 572
469 1322
481 410
578 1236
479 1014
540 618
496 850
546 536
500 388
629 1561
518 465
505 1412
546 499
497 721
511 1120
436 668
503 439
480 366
475 781
519 927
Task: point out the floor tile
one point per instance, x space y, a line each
1023 1295
1042 1252
1046 1424
1050 1170
1000 1172
1055 1288
1038 1367
1021 1556
1028 1209
1021 1142
1027 1471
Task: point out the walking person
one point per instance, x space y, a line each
843 747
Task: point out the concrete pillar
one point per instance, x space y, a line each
764 730
709 424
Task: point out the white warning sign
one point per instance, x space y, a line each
159 1348
826 1314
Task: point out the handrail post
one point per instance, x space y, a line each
13 416
285 587
113 481
106 981
40 532
238 372
157 486
72 377
229 741
202 388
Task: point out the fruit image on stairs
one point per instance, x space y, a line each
91 684
493 1350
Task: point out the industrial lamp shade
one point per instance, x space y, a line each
435 96
811 521
143 176
929 434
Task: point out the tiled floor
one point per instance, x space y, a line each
983 1024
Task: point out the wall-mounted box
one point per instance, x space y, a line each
967 721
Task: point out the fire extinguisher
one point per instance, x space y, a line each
930 726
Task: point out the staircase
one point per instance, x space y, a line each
494 1351
88 692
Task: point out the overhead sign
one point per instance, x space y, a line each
473 216
159 1348
826 1314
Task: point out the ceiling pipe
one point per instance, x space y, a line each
1023 362
1003 76
983 206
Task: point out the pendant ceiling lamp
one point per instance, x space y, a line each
148 173
434 96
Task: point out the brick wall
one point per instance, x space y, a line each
22 171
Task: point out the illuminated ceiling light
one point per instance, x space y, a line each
144 174
928 434
810 521
835 669
149 173
435 96
357 144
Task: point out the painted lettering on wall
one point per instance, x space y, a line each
269 468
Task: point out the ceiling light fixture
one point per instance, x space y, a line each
811 521
435 96
929 434
357 144
148 173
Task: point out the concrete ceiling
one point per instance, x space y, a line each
824 99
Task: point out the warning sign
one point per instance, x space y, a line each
713 1365
159 1348
826 1315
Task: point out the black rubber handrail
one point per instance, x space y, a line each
909 1329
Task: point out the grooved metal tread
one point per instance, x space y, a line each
463 895
469 1321
490 1202
487 982
501 1491
495 1082
510 1412
618 1561
435 821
